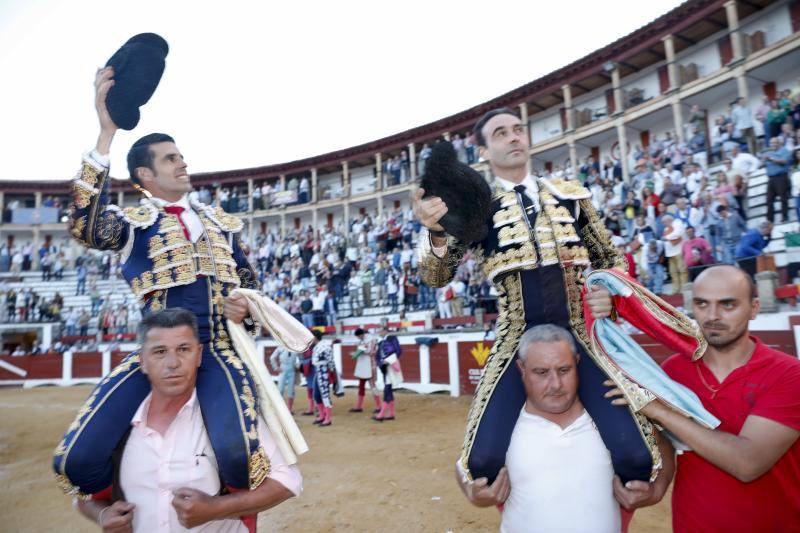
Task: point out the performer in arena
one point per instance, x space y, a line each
365 370
536 240
387 357
174 253
324 366
286 362
308 373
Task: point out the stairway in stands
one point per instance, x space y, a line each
757 213
114 291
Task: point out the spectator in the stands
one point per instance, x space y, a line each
774 119
795 179
777 161
742 119
696 253
752 245
697 142
631 209
674 235
654 253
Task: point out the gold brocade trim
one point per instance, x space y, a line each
566 189
510 326
573 282
89 174
516 233
259 468
501 262
85 414
438 271
559 214
247 404
78 225
142 216
81 196
595 235
508 215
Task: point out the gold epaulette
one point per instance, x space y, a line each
565 189
224 221
142 216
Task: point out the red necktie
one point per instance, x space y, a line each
177 210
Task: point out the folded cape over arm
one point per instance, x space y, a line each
662 322
293 336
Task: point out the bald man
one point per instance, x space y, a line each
743 475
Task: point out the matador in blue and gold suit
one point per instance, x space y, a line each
538 245
165 268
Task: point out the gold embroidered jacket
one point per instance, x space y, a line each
155 253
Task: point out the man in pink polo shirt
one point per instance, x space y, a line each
166 476
744 475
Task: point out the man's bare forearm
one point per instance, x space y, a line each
726 451
91 508
103 145
266 496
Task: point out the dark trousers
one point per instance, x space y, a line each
84 456
388 393
778 185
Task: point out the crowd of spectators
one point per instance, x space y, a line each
674 217
319 276
677 217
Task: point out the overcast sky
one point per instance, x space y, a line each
255 83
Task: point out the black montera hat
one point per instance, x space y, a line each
464 191
138 67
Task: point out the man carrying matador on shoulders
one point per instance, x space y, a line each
536 238
174 252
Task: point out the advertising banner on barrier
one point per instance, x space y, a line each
472 358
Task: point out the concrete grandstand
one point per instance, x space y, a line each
614 105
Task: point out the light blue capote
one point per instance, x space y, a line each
638 365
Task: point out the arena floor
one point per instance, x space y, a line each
358 476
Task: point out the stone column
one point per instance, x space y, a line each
314 185
616 86
283 224
677 119
345 179
378 172
282 177
733 29
573 158
315 218
523 116
622 139
250 196
766 282
37 199
412 160
347 218
567 91
380 205
672 68
37 243
120 199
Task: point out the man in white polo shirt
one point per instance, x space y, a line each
166 476
558 474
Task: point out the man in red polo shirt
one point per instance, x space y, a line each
745 475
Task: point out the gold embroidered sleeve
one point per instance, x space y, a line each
439 271
92 221
602 253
